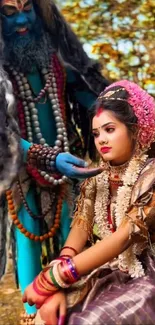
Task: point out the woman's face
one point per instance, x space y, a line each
111 138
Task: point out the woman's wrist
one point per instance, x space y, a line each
43 285
69 250
62 275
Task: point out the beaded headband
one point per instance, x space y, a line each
110 93
143 106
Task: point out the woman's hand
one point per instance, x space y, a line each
32 298
53 311
36 295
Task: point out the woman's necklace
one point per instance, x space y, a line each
116 174
123 197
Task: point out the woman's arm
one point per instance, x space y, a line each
82 224
77 239
104 251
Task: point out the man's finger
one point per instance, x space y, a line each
86 172
67 158
76 161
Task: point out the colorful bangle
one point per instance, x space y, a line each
39 292
56 284
58 279
58 260
42 282
69 247
65 256
45 279
67 274
72 268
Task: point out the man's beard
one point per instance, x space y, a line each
28 51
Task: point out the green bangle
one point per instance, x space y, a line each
53 279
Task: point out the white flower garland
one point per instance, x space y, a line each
101 204
124 192
127 260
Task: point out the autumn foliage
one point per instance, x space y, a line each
121 34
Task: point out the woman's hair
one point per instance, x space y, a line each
117 103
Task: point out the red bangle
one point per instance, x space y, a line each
67 256
39 292
69 247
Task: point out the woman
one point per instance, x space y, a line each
113 281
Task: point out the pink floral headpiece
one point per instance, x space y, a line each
143 105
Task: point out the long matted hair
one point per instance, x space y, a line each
10 156
67 44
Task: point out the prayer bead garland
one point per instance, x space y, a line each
23 230
40 216
54 88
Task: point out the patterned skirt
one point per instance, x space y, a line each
116 298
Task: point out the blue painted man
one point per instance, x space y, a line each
54 84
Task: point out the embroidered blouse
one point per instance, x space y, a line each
90 211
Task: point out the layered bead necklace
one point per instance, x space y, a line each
54 88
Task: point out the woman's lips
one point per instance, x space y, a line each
105 149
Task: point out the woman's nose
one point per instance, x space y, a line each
102 141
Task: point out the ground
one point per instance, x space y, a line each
10 300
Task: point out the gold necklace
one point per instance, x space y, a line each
116 172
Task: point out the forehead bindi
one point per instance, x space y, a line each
104 118
18 4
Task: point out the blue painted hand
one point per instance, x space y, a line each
74 167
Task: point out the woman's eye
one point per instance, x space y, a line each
95 135
110 130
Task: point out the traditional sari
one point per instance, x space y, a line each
109 295
121 291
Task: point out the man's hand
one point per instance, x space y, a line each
74 167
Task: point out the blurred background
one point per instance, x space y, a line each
120 33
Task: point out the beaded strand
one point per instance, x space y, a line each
41 216
20 226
